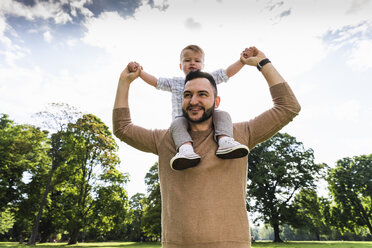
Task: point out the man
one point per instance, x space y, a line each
204 206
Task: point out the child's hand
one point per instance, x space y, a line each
250 52
128 75
252 56
134 66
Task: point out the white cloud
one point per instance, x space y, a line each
10 51
79 6
224 31
360 58
41 9
72 42
347 111
46 10
47 36
3 27
192 24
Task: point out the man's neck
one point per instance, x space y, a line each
203 126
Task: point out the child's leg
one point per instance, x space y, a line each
228 148
179 132
186 157
222 125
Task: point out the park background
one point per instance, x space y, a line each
72 52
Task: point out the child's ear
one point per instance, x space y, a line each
202 66
181 67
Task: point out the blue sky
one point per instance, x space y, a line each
72 51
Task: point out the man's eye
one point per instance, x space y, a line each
186 95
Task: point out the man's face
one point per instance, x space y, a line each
199 101
191 61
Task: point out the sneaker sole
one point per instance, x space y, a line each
184 163
237 153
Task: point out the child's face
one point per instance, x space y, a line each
191 61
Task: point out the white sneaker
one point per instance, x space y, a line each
182 161
229 149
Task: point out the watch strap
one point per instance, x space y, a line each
262 63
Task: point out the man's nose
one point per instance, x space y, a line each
193 100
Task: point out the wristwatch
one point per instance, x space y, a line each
262 63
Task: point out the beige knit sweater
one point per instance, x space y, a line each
204 206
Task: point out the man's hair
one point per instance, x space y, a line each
193 48
200 74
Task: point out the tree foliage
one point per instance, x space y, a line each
23 151
79 163
151 219
313 212
6 221
134 231
350 184
90 168
278 169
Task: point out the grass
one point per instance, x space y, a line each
304 244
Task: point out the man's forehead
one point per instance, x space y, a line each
198 84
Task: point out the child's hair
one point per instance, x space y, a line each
193 48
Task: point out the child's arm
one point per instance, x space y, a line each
148 78
234 68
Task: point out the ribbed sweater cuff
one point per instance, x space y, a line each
281 89
120 113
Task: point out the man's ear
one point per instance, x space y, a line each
217 102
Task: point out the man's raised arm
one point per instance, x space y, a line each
252 56
122 92
285 108
138 137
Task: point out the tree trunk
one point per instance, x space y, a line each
276 233
35 228
74 236
317 236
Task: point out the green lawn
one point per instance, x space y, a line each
325 244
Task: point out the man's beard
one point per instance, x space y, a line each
206 115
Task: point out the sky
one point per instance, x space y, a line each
72 51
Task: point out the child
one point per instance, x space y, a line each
191 59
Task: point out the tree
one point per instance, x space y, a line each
313 212
23 159
151 219
110 206
93 150
278 169
55 118
136 203
23 149
350 184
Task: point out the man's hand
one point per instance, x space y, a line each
134 66
122 92
252 56
130 73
